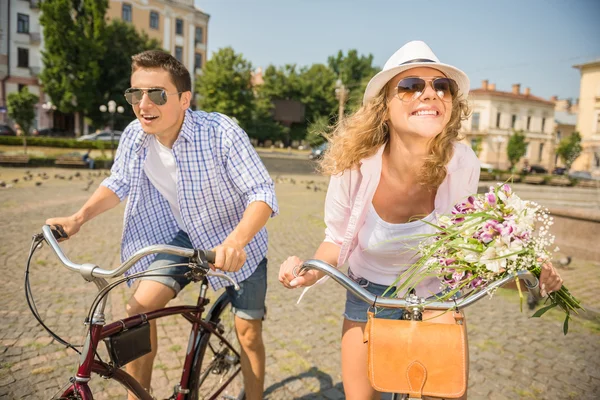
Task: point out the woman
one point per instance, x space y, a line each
395 160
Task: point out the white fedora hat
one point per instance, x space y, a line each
412 55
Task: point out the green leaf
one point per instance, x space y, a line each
543 310
566 325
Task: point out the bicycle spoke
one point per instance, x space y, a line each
221 366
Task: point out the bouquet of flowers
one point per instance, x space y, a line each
484 239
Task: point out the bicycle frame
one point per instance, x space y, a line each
98 332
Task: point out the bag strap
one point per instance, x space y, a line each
367 331
416 374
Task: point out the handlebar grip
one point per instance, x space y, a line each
58 232
210 256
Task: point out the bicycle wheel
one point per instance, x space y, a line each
217 369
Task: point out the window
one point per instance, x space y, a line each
475 122
513 121
22 58
179 53
153 20
498 120
198 61
199 35
598 122
543 123
126 11
558 134
541 151
22 23
179 27
528 121
20 87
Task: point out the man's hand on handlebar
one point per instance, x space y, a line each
229 256
66 226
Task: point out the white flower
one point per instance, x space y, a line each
490 260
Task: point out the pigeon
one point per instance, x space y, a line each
563 262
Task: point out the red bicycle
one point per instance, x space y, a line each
211 369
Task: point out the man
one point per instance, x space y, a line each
88 159
192 179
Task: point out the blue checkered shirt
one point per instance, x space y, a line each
218 175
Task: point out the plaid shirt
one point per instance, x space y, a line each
218 175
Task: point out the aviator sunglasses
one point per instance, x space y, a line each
412 88
156 95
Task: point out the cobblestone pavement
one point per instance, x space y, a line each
512 355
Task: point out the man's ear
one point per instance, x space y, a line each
185 100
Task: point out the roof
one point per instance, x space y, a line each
565 118
510 95
595 63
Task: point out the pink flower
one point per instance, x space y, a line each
491 198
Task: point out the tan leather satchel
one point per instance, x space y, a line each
419 358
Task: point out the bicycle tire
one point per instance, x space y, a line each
208 375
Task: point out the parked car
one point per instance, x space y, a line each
104 136
535 169
6 130
317 152
559 171
54 132
584 175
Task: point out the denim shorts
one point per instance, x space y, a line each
356 309
247 303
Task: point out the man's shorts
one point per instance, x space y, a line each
248 302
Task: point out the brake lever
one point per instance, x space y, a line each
226 277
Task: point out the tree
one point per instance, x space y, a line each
316 131
21 109
318 91
355 72
516 147
569 149
225 86
74 40
477 144
115 70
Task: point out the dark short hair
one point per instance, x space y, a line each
163 60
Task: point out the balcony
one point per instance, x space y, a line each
35 38
34 4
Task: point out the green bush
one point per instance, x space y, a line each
53 142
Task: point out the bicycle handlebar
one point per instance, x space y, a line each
531 282
90 271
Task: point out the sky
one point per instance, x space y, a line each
531 42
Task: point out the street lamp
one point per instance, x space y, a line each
48 106
498 140
112 108
341 93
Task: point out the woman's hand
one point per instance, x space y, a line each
550 280
289 280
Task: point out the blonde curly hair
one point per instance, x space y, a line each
361 134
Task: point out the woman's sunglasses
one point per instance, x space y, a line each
156 95
412 88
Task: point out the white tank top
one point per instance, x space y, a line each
161 169
385 250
